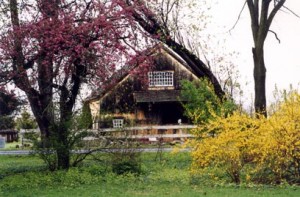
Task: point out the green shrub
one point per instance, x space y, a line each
124 167
126 157
201 103
84 120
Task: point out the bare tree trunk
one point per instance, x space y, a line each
261 20
259 81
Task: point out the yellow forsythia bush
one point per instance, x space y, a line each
280 152
263 150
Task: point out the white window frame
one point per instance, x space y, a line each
161 78
96 125
118 123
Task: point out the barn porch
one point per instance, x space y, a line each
159 107
9 135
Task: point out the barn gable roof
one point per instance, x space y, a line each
8 131
125 72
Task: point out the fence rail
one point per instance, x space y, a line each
150 127
181 132
181 129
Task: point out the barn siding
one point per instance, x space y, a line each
138 104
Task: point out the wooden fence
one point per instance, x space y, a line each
149 133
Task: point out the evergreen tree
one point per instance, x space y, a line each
25 121
9 103
85 120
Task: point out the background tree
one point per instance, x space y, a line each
84 119
261 20
189 24
9 103
53 49
25 121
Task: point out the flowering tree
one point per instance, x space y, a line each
49 48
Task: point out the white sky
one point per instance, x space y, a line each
282 60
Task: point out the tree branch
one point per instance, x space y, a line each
274 11
275 34
239 17
263 23
291 11
253 9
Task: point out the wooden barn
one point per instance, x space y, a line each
9 135
147 100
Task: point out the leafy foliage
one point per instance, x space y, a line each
6 122
201 103
126 158
123 167
74 141
25 121
9 103
84 120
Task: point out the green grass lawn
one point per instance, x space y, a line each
10 146
27 176
16 146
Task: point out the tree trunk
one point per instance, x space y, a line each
63 159
63 149
259 81
261 20
54 129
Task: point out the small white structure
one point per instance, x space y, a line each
2 142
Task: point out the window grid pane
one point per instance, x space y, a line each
118 123
160 78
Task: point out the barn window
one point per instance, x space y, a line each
118 123
161 78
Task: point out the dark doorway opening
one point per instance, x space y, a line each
171 113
